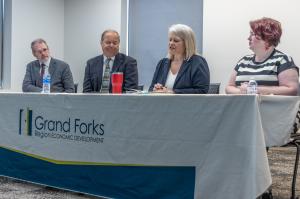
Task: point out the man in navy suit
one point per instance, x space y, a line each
95 67
61 75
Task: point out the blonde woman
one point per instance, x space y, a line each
183 71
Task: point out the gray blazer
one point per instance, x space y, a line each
61 77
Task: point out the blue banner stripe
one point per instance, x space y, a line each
124 182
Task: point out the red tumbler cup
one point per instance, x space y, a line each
117 81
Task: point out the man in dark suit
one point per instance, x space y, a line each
60 73
117 62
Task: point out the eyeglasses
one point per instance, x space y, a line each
41 50
109 43
252 34
255 35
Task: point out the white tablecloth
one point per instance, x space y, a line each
222 136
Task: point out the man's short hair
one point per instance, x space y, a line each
107 31
38 41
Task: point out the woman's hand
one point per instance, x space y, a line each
243 87
159 88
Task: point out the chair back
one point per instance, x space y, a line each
140 87
75 86
214 88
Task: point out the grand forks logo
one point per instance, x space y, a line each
25 122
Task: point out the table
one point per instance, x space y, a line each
143 146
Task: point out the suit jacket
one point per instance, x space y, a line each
192 78
61 77
122 63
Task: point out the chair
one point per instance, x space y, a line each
214 88
294 142
75 86
140 87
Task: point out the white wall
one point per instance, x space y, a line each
84 23
226 29
33 19
72 29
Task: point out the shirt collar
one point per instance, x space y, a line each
47 63
111 58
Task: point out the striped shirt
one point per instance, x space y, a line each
266 72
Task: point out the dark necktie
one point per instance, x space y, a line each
106 77
42 70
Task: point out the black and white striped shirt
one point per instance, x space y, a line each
266 72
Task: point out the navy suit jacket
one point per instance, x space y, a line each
192 78
122 63
61 77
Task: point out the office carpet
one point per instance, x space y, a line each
281 162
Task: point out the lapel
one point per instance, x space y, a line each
98 69
99 66
117 63
37 73
165 70
182 70
52 67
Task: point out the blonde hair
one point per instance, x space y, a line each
185 33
